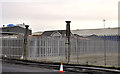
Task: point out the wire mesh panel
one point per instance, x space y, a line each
112 52
46 49
89 50
94 51
12 47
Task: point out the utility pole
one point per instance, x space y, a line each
25 42
68 34
104 44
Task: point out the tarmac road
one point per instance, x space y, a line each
8 68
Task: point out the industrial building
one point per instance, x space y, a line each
13 30
55 33
107 33
99 32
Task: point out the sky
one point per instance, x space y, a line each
44 15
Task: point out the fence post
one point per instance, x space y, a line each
58 47
1 45
104 50
68 34
38 46
25 42
77 50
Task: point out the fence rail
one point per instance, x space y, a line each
92 51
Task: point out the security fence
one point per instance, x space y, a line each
12 47
89 50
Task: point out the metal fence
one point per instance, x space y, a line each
12 47
91 51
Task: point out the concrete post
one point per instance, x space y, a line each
68 34
25 42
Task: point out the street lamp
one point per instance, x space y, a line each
104 22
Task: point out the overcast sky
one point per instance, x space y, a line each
44 15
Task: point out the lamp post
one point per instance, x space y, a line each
104 22
104 44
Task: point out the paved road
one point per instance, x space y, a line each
9 68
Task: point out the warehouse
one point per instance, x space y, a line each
107 33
